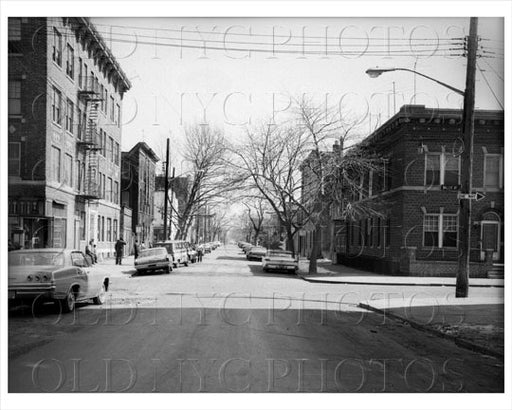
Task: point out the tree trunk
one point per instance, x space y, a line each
290 244
314 253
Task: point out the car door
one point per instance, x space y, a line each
82 269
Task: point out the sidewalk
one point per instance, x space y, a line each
475 323
341 274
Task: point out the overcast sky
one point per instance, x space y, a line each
175 86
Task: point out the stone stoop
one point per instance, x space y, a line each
497 271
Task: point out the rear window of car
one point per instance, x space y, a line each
280 254
153 252
36 259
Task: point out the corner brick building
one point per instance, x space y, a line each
416 197
65 97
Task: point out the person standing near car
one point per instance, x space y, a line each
199 254
119 250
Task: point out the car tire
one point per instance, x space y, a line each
265 270
102 296
68 303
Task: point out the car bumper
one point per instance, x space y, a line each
152 266
31 292
278 266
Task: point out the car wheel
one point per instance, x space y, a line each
68 304
102 296
265 270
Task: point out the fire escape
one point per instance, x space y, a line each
90 142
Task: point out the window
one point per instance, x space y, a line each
85 85
80 72
369 232
116 157
102 102
55 173
82 226
109 230
57 47
14 159
111 153
370 183
102 228
14 102
112 109
70 62
104 144
378 228
100 182
110 190
493 173
441 169
118 116
104 185
440 231
105 98
57 106
14 34
80 124
69 115
388 232
115 230
99 228
116 192
67 178
78 169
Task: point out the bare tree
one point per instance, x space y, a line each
210 179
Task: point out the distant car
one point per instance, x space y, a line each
246 247
50 274
177 250
207 247
279 260
153 259
256 253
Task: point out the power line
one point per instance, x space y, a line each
489 85
271 35
495 72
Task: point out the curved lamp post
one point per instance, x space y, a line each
375 72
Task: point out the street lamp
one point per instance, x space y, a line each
375 72
462 280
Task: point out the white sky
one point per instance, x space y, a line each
171 86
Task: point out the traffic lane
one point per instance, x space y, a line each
254 350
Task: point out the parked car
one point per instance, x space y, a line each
247 247
207 247
63 276
177 251
256 253
153 259
279 260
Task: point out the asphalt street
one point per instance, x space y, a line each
224 325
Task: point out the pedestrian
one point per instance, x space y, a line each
199 253
95 253
119 250
89 254
136 249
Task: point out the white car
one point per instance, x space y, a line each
153 259
277 259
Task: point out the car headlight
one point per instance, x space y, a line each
38 278
30 278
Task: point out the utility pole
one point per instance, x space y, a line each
170 202
166 189
462 283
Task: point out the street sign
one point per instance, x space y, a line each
477 196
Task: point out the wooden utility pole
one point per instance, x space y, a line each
166 189
170 203
462 283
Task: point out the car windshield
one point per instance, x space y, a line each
257 249
281 254
36 259
152 252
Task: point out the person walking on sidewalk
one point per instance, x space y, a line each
199 253
119 250
136 250
88 252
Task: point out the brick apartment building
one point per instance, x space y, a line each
415 196
65 96
138 187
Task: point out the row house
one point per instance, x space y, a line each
65 94
412 226
138 187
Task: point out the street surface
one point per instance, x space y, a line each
224 325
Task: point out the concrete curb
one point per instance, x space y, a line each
457 340
313 280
